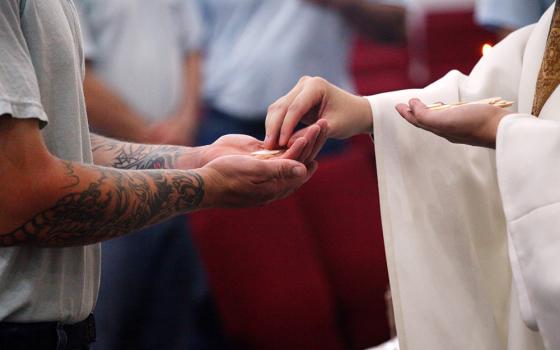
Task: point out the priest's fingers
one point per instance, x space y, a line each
310 96
276 114
425 118
418 108
273 122
405 111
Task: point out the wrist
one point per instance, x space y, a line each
210 198
364 116
494 130
205 154
192 157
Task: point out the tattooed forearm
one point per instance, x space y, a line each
145 157
103 203
75 179
123 155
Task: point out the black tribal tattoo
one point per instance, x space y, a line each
137 156
115 203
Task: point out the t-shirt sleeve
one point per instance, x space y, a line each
19 90
192 29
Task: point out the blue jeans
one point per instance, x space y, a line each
154 293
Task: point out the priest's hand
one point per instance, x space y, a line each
312 101
244 181
471 124
303 148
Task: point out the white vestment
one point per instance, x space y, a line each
449 253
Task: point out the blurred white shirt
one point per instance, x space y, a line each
138 48
258 49
511 14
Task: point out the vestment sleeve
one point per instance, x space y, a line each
443 222
528 163
19 90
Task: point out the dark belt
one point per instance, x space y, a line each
47 335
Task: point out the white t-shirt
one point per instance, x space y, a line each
41 70
138 49
510 14
257 50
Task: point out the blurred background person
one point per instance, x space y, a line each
505 16
143 84
256 50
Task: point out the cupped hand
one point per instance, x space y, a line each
244 181
303 149
471 124
312 100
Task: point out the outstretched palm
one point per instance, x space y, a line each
234 145
471 124
304 149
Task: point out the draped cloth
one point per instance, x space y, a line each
446 211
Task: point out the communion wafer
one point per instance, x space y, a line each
495 101
266 152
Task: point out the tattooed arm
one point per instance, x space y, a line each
125 155
93 204
50 202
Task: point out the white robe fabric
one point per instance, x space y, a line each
449 254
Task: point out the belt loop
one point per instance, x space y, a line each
62 337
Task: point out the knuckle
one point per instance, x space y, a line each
276 107
318 79
303 79
317 82
294 108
